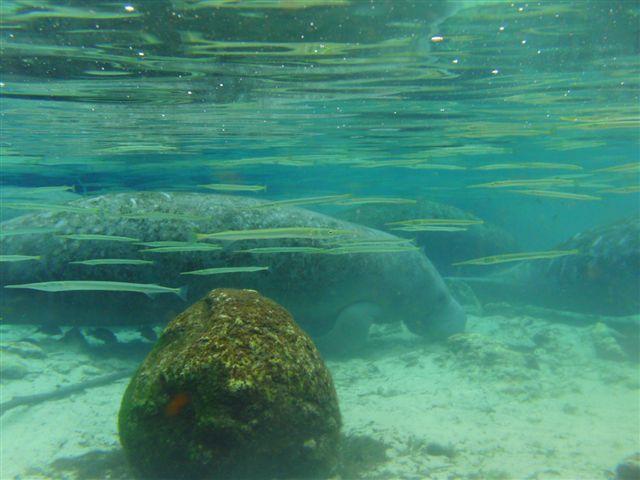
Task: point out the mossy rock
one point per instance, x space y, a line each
232 389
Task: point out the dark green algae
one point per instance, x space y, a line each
232 389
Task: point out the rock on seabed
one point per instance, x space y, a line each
232 389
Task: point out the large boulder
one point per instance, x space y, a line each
232 389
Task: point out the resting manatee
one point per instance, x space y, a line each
443 248
602 278
318 289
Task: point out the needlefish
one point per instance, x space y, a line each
275 233
149 289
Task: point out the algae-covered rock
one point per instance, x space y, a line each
629 468
232 389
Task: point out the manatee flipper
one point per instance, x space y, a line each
351 330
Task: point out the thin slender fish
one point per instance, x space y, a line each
101 285
26 231
438 221
381 242
517 257
221 270
623 190
355 248
266 250
113 261
305 201
193 247
429 228
99 238
529 165
625 168
49 189
49 207
228 187
376 200
166 243
162 216
274 233
18 258
555 194
542 182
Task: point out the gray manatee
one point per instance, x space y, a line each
318 289
443 248
602 278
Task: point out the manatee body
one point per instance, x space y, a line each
443 248
318 289
602 278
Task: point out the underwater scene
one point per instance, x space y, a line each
320 239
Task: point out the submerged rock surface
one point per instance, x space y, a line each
232 389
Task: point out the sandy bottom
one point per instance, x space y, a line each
513 398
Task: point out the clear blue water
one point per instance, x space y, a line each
420 100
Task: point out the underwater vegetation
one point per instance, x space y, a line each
232 389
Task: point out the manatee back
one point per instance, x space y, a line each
604 277
315 287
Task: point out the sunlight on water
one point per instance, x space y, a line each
443 194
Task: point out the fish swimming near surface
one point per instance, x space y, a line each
228 187
526 182
554 194
529 165
320 290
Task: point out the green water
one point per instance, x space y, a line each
520 116
176 94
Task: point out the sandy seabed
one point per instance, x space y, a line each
516 397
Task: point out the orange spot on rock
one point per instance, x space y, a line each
177 404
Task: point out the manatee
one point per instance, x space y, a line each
442 248
602 278
318 289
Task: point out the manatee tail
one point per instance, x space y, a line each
496 288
